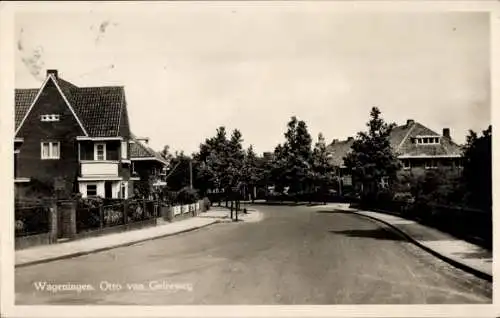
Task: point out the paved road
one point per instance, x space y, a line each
296 255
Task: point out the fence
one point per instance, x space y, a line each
31 220
112 213
470 224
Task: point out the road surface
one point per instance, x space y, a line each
296 255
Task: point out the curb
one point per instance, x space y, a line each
452 262
101 249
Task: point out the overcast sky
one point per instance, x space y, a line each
187 70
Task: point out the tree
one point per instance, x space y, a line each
165 153
477 173
297 154
372 157
322 169
252 172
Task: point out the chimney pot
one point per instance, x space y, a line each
409 122
53 72
446 132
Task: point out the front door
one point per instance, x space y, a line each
108 192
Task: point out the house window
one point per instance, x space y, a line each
50 117
124 150
430 164
50 150
406 164
91 190
427 140
384 182
100 152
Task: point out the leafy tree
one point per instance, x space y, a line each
372 157
477 173
296 156
322 169
165 153
251 171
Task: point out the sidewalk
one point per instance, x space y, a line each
47 253
459 253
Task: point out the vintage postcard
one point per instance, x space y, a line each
316 158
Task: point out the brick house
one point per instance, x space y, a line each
148 165
418 147
74 139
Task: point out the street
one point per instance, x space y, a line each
295 255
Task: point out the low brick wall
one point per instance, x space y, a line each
23 242
117 229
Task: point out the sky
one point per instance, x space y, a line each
190 69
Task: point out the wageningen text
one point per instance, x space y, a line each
106 286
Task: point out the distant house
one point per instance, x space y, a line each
418 147
148 165
72 139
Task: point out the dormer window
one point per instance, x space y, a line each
426 140
50 117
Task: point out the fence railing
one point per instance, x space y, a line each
32 220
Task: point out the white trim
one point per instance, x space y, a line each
148 158
38 96
100 178
17 151
32 105
22 180
428 156
135 178
99 161
86 138
96 145
18 139
67 103
126 160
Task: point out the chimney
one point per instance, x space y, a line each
409 122
350 138
52 72
446 132
334 141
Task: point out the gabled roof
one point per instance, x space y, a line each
402 141
140 151
98 108
338 150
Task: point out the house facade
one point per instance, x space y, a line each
147 165
73 139
418 147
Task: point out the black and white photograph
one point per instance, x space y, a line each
249 153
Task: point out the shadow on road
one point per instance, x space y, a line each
379 234
333 211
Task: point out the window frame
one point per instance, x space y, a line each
87 189
50 155
96 153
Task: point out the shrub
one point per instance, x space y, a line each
187 195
